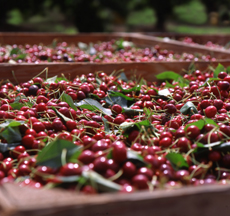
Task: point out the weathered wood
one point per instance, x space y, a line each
24 72
204 200
222 39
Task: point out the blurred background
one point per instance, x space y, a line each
73 16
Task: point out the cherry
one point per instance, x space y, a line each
165 142
116 109
119 152
129 169
100 164
184 144
70 169
28 141
140 181
192 131
214 156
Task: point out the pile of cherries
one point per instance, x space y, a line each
107 52
171 148
210 44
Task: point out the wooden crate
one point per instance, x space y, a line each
206 200
25 72
200 39
140 40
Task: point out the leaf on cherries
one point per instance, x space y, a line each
51 79
123 77
11 135
92 105
177 161
136 158
201 123
4 147
66 98
51 154
188 109
218 69
164 92
168 75
60 115
99 182
131 111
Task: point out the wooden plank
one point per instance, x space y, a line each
222 39
201 200
24 72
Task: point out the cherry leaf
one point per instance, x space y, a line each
136 158
218 69
177 161
188 108
11 135
92 105
168 75
100 182
66 98
51 154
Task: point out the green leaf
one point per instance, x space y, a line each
68 179
16 105
51 80
228 69
218 69
123 77
11 134
168 75
21 56
177 161
188 108
100 182
106 124
82 46
11 123
92 105
128 126
117 98
66 98
136 158
131 111
60 115
15 51
208 80
4 147
164 92
201 123
51 154
58 79
119 94
135 88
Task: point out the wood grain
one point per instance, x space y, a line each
24 72
204 200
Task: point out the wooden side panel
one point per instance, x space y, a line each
209 200
139 39
222 39
25 72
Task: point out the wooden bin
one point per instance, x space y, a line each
200 39
26 71
206 200
15 201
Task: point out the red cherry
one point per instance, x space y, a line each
119 152
70 169
210 111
